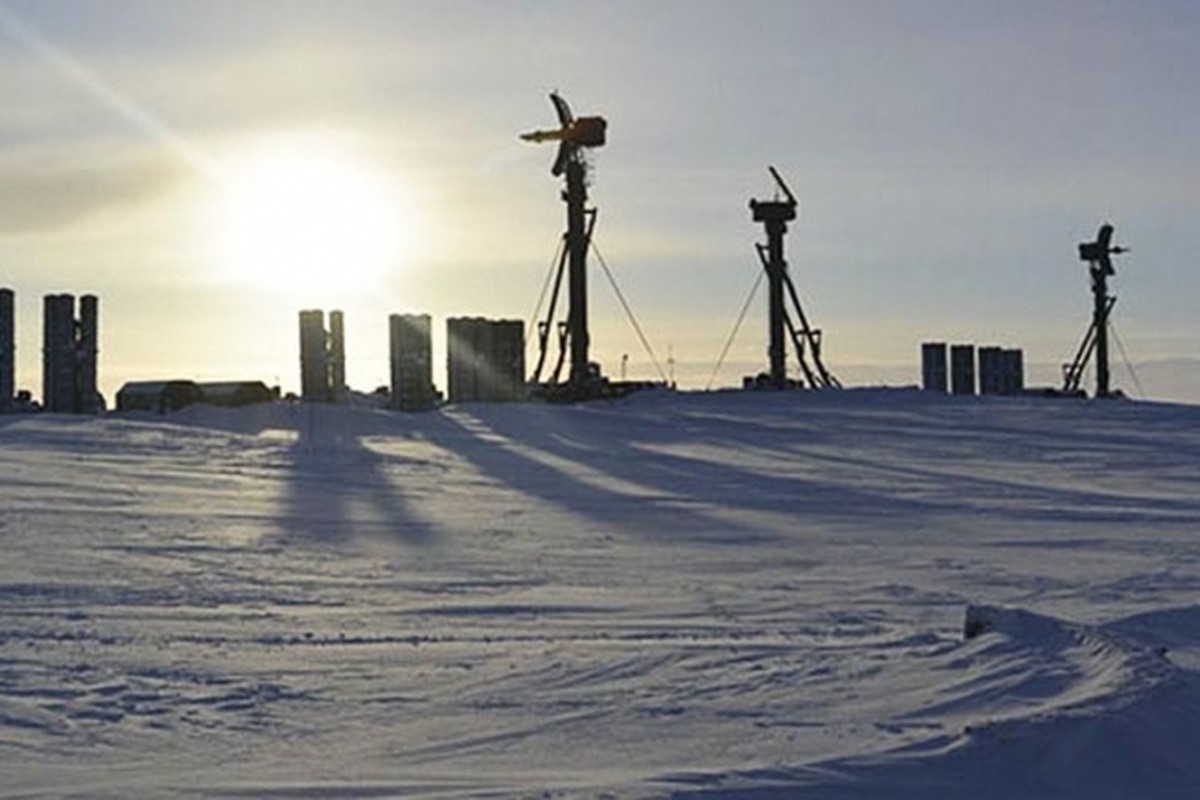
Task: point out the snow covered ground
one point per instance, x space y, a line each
728 594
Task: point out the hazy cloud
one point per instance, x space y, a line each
44 195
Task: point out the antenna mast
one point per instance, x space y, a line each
775 215
574 136
1098 255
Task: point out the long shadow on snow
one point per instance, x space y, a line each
1028 429
338 489
1018 498
513 462
885 457
600 469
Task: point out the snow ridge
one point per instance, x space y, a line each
1043 704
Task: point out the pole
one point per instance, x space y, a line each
577 247
777 349
1100 324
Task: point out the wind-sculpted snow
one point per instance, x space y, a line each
1050 664
727 594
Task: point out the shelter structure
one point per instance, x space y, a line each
157 397
163 397
235 394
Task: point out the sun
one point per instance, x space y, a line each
301 215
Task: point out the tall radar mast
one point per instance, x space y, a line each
775 215
574 135
1098 255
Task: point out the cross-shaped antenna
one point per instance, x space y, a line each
1099 252
573 134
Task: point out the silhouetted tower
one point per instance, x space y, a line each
485 360
337 356
58 352
574 136
990 361
69 351
322 357
7 349
411 348
962 369
87 351
775 215
933 367
314 359
1013 365
1098 255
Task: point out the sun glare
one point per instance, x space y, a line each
302 216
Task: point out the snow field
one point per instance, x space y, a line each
738 594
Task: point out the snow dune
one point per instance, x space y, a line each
869 594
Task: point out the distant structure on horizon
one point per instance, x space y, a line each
162 397
995 370
411 356
1098 255
322 357
962 369
1001 371
785 320
933 367
486 360
575 135
7 350
69 350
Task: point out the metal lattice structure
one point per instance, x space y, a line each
575 135
1098 255
785 313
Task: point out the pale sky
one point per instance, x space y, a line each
210 168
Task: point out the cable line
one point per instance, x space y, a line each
537 310
736 326
628 312
1128 364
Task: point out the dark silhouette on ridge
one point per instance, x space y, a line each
574 136
1098 254
775 215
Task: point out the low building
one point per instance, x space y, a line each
163 397
232 394
157 397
